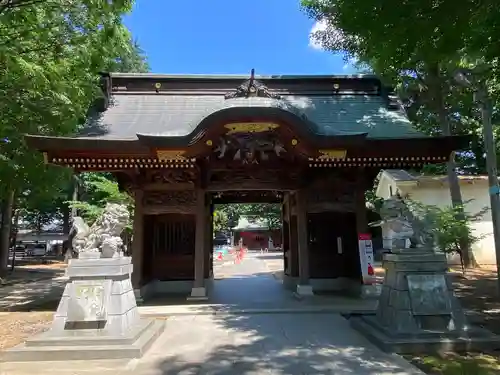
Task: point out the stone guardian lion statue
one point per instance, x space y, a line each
401 227
104 235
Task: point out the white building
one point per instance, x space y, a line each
434 190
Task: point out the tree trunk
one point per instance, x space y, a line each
13 240
436 85
66 220
74 212
6 209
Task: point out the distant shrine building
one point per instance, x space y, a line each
180 144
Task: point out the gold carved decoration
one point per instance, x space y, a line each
294 142
209 142
333 154
170 155
250 127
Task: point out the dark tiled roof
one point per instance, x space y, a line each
178 114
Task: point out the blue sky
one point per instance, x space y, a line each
229 37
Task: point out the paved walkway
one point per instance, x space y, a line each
249 283
253 287
285 344
266 344
227 344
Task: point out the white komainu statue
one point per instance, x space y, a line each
401 227
104 235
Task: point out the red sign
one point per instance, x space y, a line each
364 237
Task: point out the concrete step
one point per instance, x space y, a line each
89 337
104 351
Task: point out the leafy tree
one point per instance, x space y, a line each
270 213
419 64
229 214
220 221
50 54
448 232
96 191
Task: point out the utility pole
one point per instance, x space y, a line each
466 78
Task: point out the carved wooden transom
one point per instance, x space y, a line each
250 148
170 176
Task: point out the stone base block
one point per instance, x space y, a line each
87 344
304 290
370 291
198 294
474 339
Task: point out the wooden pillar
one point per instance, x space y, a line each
208 238
292 236
303 286
361 216
138 240
285 236
198 290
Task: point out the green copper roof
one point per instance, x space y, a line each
176 115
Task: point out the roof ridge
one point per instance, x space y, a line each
241 76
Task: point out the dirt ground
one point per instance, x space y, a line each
16 327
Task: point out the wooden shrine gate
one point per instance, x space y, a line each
180 144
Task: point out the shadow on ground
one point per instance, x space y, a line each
236 291
27 274
31 290
264 344
478 293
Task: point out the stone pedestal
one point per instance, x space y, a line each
97 317
417 309
198 294
304 290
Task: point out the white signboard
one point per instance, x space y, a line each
366 259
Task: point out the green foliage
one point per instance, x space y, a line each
220 221
371 198
97 190
50 55
448 232
229 214
270 213
421 64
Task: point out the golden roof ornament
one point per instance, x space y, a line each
252 88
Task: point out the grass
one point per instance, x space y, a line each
457 364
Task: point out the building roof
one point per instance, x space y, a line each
244 224
179 115
174 106
143 116
401 177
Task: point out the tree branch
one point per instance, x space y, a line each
11 4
